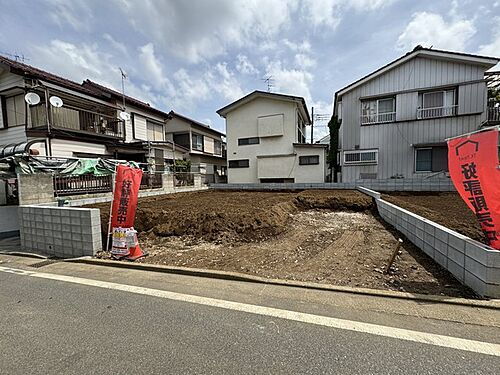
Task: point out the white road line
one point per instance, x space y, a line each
374 329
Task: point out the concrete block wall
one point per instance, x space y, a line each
434 184
472 263
62 232
35 188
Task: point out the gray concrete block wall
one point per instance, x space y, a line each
434 184
472 263
35 188
61 232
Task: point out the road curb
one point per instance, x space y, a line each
236 276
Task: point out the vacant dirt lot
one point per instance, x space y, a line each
330 237
447 209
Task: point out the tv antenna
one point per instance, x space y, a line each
15 56
124 77
317 117
269 80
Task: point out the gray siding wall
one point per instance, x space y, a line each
395 140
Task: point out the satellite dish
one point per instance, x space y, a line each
56 101
124 116
32 98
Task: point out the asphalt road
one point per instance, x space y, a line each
53 327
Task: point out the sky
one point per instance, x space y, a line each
196 56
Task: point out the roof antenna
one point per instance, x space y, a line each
269 80
123 115
15 56
124 77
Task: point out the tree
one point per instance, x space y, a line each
334 126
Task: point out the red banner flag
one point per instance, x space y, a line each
473 165
127 183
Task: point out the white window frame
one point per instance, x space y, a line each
446 110
360 162
193 135
388 116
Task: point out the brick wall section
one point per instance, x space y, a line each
434 184
61 232
35 188
472 263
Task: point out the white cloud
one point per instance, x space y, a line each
492 48
290 81
430 29
225 82
115 44
329 12
200 86
152 68
244 65
86 61
303 46
200 29
304 61
76 13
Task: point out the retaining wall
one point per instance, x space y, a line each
472 263
434 184
35 188
63 232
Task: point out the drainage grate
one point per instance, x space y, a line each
44 263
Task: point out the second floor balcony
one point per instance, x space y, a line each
433 112
77 120
377 118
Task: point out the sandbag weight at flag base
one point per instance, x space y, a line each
123 208
473 167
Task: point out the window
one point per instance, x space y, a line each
197 142
309 160
431 159
155 131
16 110
437 104
378 110
217 147
361 157
248 141
243 163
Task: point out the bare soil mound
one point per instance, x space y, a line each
447 209
227 216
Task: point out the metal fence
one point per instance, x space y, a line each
83 184
183 179
151 181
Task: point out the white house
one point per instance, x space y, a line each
395 120
266 140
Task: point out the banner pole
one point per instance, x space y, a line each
474 132
111 210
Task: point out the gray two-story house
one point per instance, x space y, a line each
395 120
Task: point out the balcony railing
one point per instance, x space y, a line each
378 118
423 113
78 120
494 115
